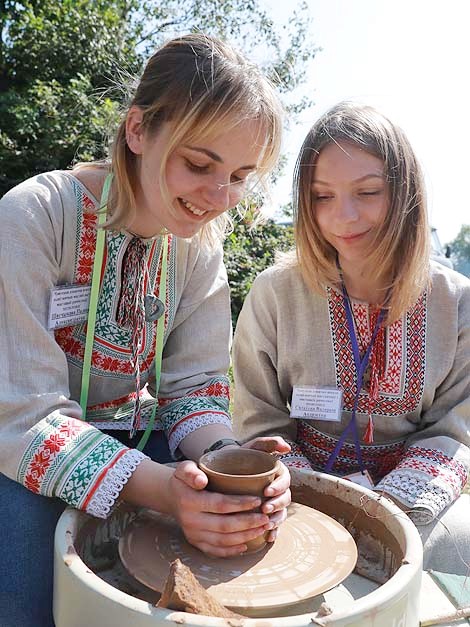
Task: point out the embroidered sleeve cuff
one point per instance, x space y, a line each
205 406
426 481
115 479
192 423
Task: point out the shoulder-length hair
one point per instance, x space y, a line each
202 87
400 259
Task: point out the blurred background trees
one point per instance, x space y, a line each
460 250
249 251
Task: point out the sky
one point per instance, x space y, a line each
411 60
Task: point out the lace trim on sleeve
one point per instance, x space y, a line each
425 498
426 480
109 489
192 423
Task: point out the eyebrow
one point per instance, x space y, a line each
359 180
215 157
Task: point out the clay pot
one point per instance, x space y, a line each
240 471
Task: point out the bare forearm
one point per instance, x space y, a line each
149 487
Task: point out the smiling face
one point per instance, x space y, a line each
204 178
351 200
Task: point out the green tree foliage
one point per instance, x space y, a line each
283 51
55 60
460 248
250 250
62 61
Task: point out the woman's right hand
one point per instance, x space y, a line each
217 524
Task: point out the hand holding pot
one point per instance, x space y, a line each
249 471
215 523
278 492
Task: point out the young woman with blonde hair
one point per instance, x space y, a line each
356 348
116 321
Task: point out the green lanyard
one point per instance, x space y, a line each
158 344
91 322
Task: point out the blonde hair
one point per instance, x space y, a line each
201 86
400 259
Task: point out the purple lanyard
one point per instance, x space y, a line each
361 366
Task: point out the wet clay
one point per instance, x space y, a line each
85 545
312 554
183 592
379 552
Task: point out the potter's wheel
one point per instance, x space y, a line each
312 554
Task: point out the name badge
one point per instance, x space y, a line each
316 403
68 305
361 478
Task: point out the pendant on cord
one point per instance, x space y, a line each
154 308
368 436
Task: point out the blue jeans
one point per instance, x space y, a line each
27 525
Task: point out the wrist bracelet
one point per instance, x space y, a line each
220 444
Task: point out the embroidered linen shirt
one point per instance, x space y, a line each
286 335
47 239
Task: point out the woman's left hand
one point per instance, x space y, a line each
278 492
